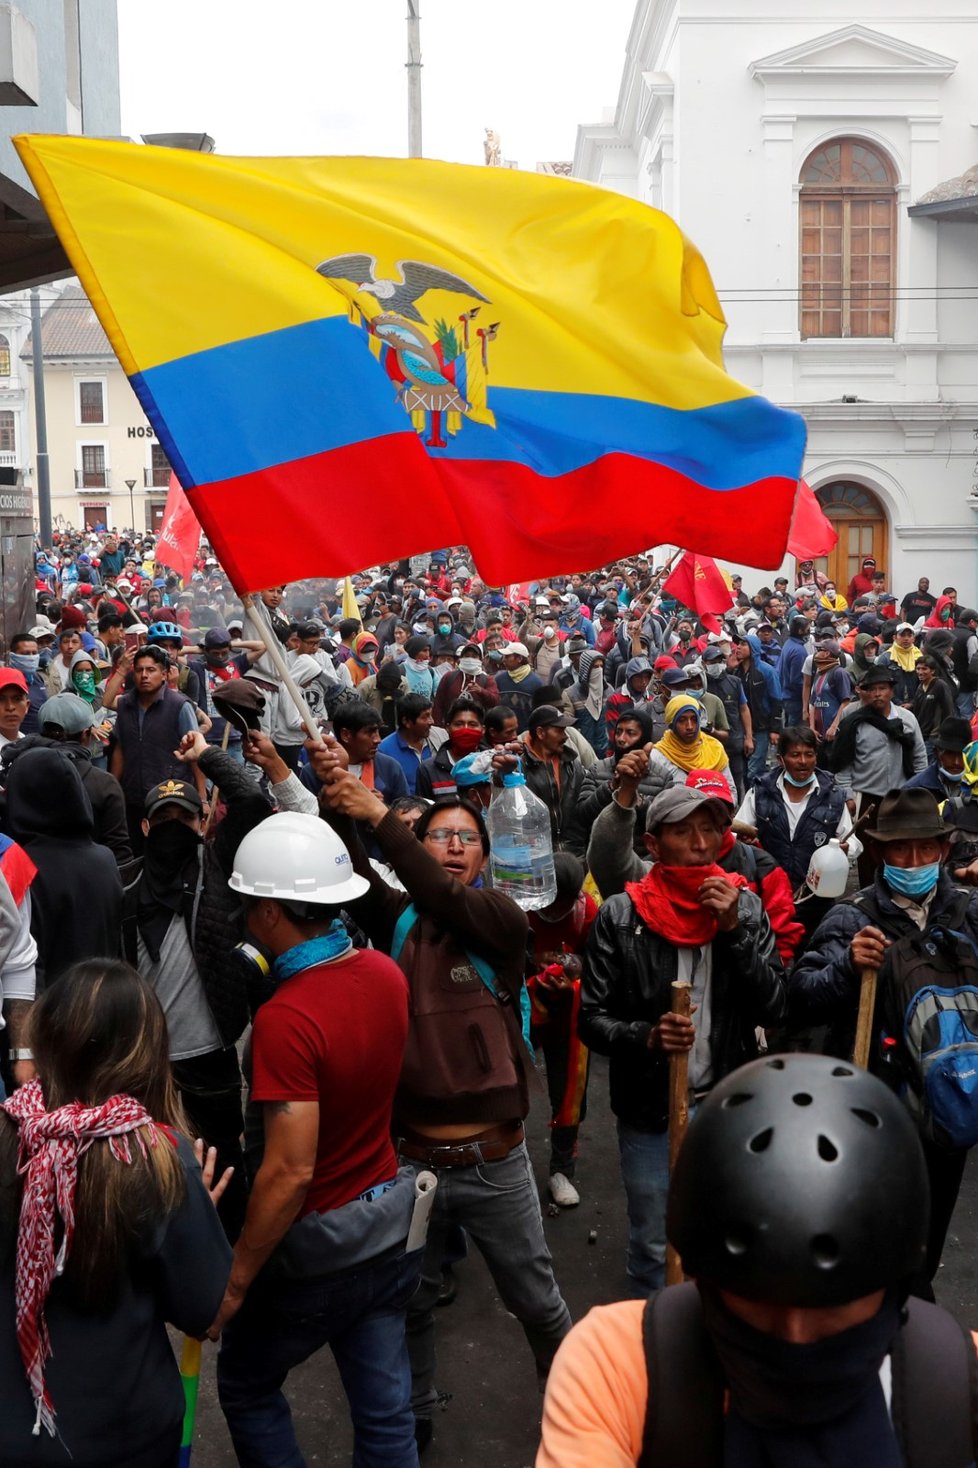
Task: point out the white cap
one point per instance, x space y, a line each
298 857
518 647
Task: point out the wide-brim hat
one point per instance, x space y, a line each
908 815
953 734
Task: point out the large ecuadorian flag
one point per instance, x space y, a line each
349 360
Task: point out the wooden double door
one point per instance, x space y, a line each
860 521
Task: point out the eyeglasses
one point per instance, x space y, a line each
442 835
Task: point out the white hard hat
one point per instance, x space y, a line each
298 857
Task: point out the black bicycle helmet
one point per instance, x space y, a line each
801 1182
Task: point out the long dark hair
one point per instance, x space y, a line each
99 1031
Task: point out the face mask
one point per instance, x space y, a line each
951 778
465 740
912 881
714 670
25 662
470 666
799 784
444 628
85 683
549 633
172 842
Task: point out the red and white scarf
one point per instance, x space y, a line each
50 1145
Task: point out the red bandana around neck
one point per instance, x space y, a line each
50 1143
667 901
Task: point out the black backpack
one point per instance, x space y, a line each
935 1387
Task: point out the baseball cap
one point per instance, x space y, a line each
13 677
173 792
711 783
470 648
672 677
712 654
43 629
549 717
827 647
678 802
515 647
68 712
869 561
905 627
216 637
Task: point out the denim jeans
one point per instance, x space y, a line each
645 1173
359 1314
965 705
497 1205
757 762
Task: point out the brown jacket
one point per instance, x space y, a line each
464 1060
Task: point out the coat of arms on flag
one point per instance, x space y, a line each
439 368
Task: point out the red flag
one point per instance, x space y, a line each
811 532
179 537
698 584
518 591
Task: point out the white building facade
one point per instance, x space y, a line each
789 142
107 468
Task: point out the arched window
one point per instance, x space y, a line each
4 357
848 241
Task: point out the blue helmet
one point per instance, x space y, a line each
164 632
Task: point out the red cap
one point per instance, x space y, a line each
13 676
710 783
663 662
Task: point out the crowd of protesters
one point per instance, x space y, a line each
182 868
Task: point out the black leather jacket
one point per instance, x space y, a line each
625 989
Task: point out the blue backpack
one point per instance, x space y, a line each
931 1008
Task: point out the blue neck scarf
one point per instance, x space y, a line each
324 949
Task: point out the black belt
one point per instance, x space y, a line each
461 1154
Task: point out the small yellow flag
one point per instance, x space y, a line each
350 608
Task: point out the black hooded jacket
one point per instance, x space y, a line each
102 789
76 897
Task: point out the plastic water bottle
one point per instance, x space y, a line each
521 855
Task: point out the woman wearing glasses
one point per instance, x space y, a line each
463 1092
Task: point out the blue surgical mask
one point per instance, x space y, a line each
950 777
912 881
799 784
25 662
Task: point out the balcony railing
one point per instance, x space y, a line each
92 478
156 478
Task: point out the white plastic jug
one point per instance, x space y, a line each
828 870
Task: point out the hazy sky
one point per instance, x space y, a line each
314 76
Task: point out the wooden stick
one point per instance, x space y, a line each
274 650
215 792
678 1110
864 1023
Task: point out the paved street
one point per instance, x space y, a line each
483 1359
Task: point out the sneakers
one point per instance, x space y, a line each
563 1191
